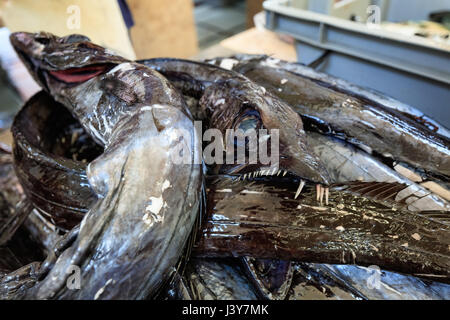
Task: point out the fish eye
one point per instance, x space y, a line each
249 123
249 120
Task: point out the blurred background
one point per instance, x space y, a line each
197 29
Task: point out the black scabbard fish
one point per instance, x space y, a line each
339 85
132 238
363 224
229 100
360 118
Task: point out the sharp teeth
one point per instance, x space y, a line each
278 173
322 189
274 170
284 173
327 191
299 190
245 176
317 192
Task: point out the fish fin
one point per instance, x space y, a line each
393 195
377 191
441 216
78 75
384 191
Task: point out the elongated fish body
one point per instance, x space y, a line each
227 99
337 84
365 122
60 190
261 219
346 163
131 240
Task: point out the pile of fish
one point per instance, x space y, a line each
336 218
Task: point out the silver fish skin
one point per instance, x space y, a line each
361 121
363 224
131 240
346 163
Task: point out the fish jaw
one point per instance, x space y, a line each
96 86
293 153
44 53
304 164
148 195
224 95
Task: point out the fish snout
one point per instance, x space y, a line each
24 42
306 165
20 38
316 173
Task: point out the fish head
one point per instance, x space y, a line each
57 62
250 107
80 75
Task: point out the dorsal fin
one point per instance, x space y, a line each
399 196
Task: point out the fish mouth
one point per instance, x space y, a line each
281 176
79 75
73 77
70 77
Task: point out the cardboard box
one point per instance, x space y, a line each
162 28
